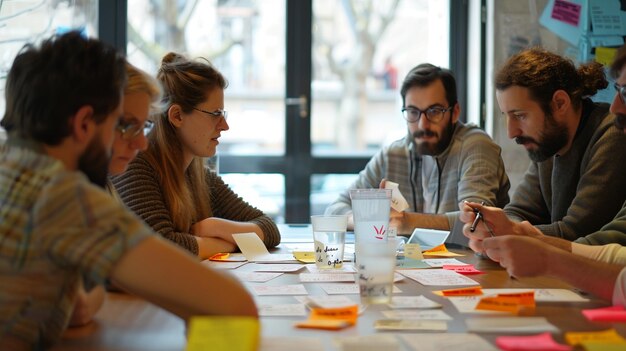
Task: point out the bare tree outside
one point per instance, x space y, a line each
368 21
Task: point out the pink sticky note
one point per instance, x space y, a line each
462 269
606 314
566 11
530 343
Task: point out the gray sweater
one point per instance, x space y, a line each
140 189
470 168
575 194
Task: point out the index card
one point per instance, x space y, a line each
510 325
294 309
446 342
293 289
438 277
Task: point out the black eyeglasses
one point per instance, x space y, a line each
433 114
130 130
217 113
621 92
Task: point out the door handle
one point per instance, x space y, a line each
301 102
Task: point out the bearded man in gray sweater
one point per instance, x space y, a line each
440 162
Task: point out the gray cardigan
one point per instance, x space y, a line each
470 168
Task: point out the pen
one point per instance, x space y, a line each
479 216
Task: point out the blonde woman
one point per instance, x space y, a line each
142 96
169 186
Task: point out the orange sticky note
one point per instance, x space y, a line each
532 342
504 304
471 291
331 318
526 298
606 314
348 313
221 256
440 250
326 324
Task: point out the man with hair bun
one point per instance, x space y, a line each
574 184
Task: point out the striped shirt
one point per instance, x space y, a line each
470 168
140 189
56 228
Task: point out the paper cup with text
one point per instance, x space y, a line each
329 237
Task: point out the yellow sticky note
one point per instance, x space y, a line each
605 56
609 336
472 291
223 333
603 346
441 251
304 256
413 251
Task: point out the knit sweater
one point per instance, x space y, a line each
141 190
575 194
470 168
612 233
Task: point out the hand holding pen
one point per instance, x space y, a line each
478 218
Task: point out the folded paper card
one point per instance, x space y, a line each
398 202
255 251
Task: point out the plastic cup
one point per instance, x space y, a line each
329 237
370 208
375 271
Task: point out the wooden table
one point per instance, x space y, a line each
129 323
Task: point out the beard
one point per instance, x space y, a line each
94 162
433 149
552 139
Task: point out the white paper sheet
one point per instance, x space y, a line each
440 262
510 325
294 309
278 267
326 277
438 277
347 289
413 302
467 304
446 342
293 289
438 315
256 277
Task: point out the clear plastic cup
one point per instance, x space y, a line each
375 271
329 237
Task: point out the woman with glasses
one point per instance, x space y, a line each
142 96
169 186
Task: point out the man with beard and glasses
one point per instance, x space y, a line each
440 162
598 267
574 184
59 229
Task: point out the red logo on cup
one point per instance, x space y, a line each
380 232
